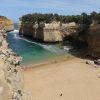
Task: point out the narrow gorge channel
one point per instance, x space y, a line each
33 52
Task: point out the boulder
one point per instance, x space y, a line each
89 62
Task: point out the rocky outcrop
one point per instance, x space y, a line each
51 32
93 37
9 73
70 29
11 77
6 24
48 32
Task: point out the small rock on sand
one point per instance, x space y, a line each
89 62
97 62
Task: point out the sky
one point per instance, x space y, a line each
14 9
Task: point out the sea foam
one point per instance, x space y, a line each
51 48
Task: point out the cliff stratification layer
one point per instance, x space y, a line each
48 32
6 24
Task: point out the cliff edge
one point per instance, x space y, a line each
11 77
6 24
48 32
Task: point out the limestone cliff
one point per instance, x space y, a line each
51 32
48 32
11 77
70 29
93 37
6 24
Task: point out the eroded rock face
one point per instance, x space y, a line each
6 24
26 29
48 32
93 37
9 69
70 29
11 77
52 33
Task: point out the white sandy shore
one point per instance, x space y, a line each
67 80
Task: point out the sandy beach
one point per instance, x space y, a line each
66 80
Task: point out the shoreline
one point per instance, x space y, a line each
48 62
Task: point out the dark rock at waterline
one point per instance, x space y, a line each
97 62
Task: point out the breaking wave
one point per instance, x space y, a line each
51 48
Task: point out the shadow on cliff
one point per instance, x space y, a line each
80 52
80 45
80 49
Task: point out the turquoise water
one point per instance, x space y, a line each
31 51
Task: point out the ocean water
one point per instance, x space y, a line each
33 52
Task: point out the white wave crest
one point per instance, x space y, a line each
14 31
51 48
15 36
47 47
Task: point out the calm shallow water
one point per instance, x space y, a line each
32 52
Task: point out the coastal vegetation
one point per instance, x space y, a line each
84 18
48 18
3 17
